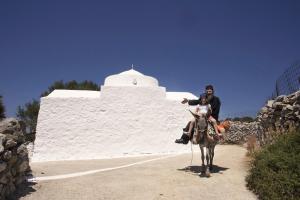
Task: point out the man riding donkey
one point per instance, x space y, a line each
209 103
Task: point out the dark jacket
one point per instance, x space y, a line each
215 105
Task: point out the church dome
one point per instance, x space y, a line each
131 78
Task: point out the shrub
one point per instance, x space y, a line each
275 170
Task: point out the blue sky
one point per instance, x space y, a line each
240 47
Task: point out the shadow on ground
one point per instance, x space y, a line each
198 169
23 190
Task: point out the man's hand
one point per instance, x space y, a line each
185 100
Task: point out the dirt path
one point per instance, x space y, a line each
166 178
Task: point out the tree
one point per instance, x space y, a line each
71 85
244 119
2 109
29 112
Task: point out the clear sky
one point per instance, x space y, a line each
240 47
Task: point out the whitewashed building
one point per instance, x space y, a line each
131 115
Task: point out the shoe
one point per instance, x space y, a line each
179 141
183 140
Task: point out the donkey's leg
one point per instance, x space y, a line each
207 172
202 158
207 156
212 156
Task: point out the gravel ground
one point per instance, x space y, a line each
167 178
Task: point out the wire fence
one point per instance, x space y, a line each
288 82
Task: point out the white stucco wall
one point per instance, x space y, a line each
74 93
122 121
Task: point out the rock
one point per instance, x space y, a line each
19 136
10 143
22 150
20 180
277 113
2 138
7 155
280 98
2 141
13 171
278 105
11 189
3 178
1 148
3 166
296 108
9 125
264 110
23 167
286 100
14 161
293 100
1 188
270 103
11 137
289 107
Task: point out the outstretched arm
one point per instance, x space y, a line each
193 102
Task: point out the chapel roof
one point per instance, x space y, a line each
131 78
131 72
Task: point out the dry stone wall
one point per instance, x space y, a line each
14 161
239 132
279 116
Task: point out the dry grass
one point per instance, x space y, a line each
252 145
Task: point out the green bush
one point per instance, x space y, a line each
275 170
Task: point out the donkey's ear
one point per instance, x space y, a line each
194 114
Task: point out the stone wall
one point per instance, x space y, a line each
279 116
275 118
14 161
239 132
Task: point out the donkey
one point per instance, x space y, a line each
201 130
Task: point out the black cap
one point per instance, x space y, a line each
209 87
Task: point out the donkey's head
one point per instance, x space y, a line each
200 127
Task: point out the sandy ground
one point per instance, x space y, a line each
168 178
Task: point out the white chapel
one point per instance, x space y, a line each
131 115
